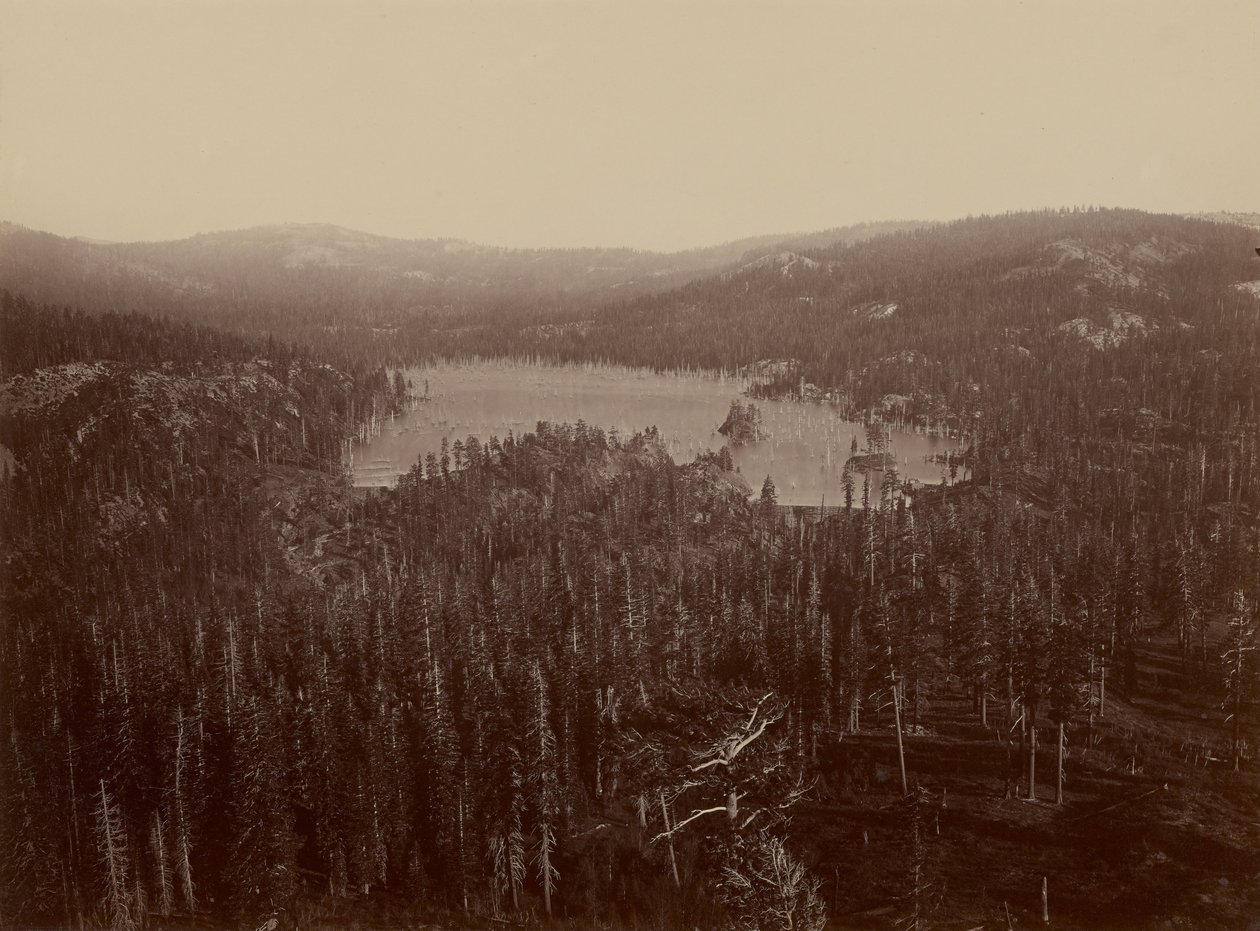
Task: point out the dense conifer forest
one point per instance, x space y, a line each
560 679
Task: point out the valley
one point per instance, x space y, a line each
553 466
363 615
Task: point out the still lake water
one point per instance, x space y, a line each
805 452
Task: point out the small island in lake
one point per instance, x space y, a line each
871 462
743 424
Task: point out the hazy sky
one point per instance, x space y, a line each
651 125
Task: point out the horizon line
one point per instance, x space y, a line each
101 241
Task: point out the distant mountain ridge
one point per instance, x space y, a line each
839 299
426 270
345 292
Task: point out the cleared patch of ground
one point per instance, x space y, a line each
1154 832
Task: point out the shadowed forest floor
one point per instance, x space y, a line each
1152 833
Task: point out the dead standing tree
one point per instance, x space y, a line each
739 763
765 888
1240 673
744 770
710 754
722 756
896 683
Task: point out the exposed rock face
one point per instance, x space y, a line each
875 310
906 357
788 263
1120 327
1116 266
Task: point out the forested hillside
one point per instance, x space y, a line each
560 678
984 305
330 287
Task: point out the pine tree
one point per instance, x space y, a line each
1239 659
546 787
119 894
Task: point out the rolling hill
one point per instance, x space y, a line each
945 312
304 280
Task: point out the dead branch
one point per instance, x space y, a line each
678 826
1125 801
730 747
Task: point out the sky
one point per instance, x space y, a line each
644 124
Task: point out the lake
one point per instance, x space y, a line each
805 453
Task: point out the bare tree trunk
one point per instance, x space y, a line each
545 869
1089 727
1010 693
673 860
901 750
1235 737
1032 763
183 847
463 886
75 843
916 705
165 890
1058 781
1045 901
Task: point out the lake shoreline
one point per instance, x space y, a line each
805 451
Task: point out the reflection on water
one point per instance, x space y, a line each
805 453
